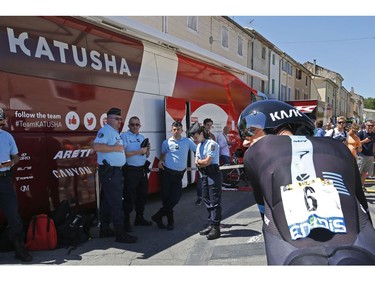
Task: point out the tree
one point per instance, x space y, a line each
369 103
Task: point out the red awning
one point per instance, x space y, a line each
305 106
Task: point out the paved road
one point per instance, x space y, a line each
241 242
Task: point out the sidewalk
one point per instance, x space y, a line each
241 242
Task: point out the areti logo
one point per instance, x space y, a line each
282 114
67 154
62 50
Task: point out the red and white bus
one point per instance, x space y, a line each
60 75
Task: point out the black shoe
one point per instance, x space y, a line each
206 230
123 237
128 227
158 219
214 233
198 202
21 252
142 221
170 220
106 232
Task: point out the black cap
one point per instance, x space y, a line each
194 128
114 111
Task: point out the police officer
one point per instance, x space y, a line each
135 174
111 158
308 190
207 161
172 166
8 197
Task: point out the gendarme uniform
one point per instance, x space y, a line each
8 196
176 154
212 180
110 173
135 178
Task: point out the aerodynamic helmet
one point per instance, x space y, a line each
269 115
2 114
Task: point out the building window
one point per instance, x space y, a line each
240 46
273 86
263 52
287 67
297 94
193 23
273 59
225 37
306 84
262 86
283 93
298 74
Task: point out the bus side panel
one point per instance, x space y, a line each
30 179
71 168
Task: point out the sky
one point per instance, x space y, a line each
344 44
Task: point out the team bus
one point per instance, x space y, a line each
60 75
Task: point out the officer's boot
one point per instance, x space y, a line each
140 220
158 218
127 225
21 252
206 230
214 233
170 219
123 237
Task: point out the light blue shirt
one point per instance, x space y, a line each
176 152
132 142
209 148
8 147
108 135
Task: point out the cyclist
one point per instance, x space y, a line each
308 190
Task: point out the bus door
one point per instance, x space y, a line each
189 112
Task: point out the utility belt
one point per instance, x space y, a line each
5 174
174 172
134 168
109 167
144 168
210 169
106 168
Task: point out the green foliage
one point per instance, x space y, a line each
369 103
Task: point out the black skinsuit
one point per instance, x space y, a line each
276 161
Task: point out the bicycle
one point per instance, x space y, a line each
234 173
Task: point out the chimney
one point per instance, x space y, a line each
314 69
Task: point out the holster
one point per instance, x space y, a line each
146 166
105 168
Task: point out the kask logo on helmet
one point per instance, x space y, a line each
282 114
